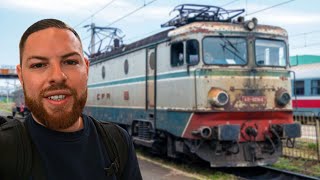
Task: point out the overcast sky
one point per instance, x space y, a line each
301 18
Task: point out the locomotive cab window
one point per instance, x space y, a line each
177 55
270 52
192 52
224 51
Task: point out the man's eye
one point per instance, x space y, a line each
38 65
71 62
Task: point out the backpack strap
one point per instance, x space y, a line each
116 145
37 170
15 151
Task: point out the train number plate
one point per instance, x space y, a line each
254 99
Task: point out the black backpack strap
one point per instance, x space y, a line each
15 150
37 171
116 146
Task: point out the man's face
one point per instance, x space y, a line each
54 76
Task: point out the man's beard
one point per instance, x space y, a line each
60 119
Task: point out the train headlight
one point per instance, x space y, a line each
282 97
250 25
218 97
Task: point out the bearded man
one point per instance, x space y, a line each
54 72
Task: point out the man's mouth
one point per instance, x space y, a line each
57 97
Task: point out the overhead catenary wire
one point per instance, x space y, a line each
306 46
304 33
231 2
273 6
145 34
291 36
150 2
128 14
108 4
300 34
86 37
306 40
157 30
134 11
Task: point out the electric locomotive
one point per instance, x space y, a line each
212 86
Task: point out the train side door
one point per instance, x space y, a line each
151 79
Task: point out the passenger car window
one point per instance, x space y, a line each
315 87
299 87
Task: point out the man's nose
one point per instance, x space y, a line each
57 74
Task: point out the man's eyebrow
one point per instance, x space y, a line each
70 54
45 58
38 57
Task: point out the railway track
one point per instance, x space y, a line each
265 172
241 173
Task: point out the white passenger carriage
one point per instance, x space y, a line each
306 99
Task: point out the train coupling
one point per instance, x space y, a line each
287 130
220 132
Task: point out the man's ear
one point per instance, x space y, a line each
19 72
87 62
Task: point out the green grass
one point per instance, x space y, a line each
304 149
284 163
6 106
298 165
312 146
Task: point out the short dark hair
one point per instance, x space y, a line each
41 25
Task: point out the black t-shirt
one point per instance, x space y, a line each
79 155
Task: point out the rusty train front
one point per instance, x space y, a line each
218 90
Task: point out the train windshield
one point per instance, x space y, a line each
224 51
270 52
